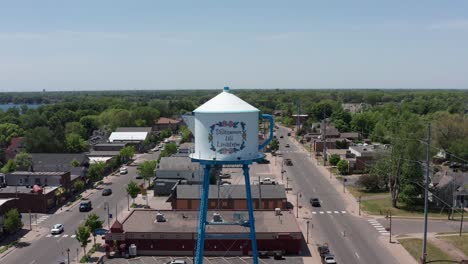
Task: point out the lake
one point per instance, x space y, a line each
5 107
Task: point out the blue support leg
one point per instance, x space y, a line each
253 236
203 212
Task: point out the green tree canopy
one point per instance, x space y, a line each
23 161
127 153
93 223
12 221
343 167
78 185
75 128
10 166
9 131
96 171
334 159
82 235
42 139
75 144
133 190
146 169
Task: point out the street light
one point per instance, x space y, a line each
307 238
68 255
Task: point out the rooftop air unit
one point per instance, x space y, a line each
160 217
217 218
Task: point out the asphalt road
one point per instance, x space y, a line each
351 239
52 249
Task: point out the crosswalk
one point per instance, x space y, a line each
40 219
378 227
61 235
328 212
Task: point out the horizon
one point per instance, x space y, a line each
117 45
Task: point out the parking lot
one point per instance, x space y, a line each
207 260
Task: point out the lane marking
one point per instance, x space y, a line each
355 253
336 212
65 235
73 236
321 212
314 212
57 236
49 235
343 212
328 212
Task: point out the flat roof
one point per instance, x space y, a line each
144 221
128 136
269 191
24 189
4 200
38 173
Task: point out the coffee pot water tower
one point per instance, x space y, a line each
226 133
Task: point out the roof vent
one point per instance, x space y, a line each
160 217
277 211
217 218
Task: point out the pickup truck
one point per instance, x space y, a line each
268 181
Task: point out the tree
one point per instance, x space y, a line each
186 133
78 185
274 145
165 133
10 166
74 163
342 167
82 235
133 190
146 169
126 154
96 171
75 143
75 128
9 131
334 159
90 123
12 222
42 139
23 161
93 223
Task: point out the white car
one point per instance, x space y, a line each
177 262
329 259
123 170
57 229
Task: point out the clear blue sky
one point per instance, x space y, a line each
91 45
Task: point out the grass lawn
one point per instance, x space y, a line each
381 206
460 242
414 246
356 192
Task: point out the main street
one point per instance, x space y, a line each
52 249
350 238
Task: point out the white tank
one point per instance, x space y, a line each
226 129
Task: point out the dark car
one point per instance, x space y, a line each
288 162
106 192
315 202
289 134
85 206
323 250
139 177
281 136
287 145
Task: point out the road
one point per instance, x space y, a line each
351 239
52 249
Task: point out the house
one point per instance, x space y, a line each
365 155
174 170
165 123
351 136
17 145
104 152
136 139
75 163
451 187
149 130
230 197
174 233
331 143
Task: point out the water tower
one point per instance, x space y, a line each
226 133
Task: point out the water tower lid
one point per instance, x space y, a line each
226 102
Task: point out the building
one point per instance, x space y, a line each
165 123
104 152
231 197
451 187
175 234
148 130
34 200
364 156
46 178
175 170
331 143
75 163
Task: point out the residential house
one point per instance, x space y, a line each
230 197
61 162
165 123
174 170
365 155
451 187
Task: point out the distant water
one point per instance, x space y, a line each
6 106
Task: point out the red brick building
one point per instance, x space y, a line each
177 235
231 197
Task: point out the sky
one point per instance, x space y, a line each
127 45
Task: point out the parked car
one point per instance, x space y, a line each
123 170
177 261
329 259
288 162
268 181
287 145
138 176
85 206
289 134
106 192
224 175
281 136
57 229
323 250
263 161
315 202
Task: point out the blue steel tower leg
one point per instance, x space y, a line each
203 212
253 236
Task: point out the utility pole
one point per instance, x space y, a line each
30 220
461 221
128 202
324 139
359 205
307 238
426 187
297 205
390 227
259 194
287 184
282 170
